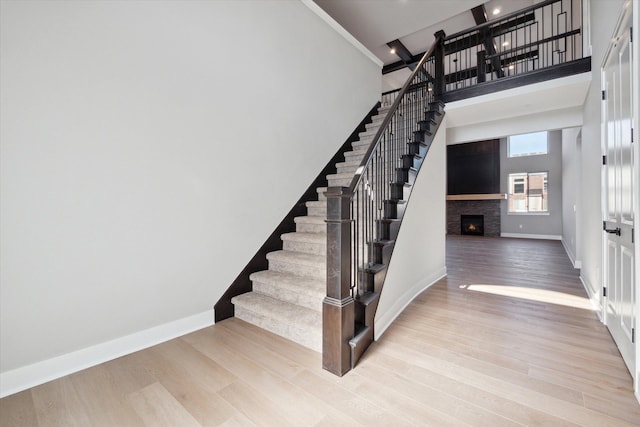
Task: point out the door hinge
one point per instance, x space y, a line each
633 237
632 135
633 335
604 160
603 96
604 291
631 34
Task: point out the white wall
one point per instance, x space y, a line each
505 126
547 225
552 104
571 158
148 149
419 255
636 120
603 18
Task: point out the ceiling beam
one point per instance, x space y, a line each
471 40
480 16
403 53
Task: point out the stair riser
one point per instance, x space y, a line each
321 195
347 169
406 175
306 270
374 281
274 291
411 161
421 135
311 228
350 156
382 254
363 143
322 212
427 125
394 210
309 339
368 135
400 192
419 148
305 247
342 182
388 231
360 149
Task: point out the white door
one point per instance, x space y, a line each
619 178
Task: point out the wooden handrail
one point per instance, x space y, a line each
394 107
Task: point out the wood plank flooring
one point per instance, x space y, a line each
507 339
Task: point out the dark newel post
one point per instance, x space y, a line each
439 65
482 66
338 309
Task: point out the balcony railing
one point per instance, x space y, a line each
540 37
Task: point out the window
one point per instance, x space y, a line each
528 144
518 185
528 192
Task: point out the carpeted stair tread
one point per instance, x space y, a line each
305 237
299 263
308 243
352 163
340 176
316 204
321 191
309 220
317 208
307 292
299 324
311 224
304 285
362 143
297 258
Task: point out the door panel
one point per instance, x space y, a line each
627 291
618 200
626 149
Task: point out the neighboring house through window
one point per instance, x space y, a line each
528 192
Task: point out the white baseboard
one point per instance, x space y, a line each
571 255
382 323
531 236
41 372
595 302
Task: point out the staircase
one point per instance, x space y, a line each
326 299
287 298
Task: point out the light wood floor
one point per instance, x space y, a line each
503 340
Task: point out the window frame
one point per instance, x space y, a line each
526 196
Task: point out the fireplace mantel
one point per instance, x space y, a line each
477 197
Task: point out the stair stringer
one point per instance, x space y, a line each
366 303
